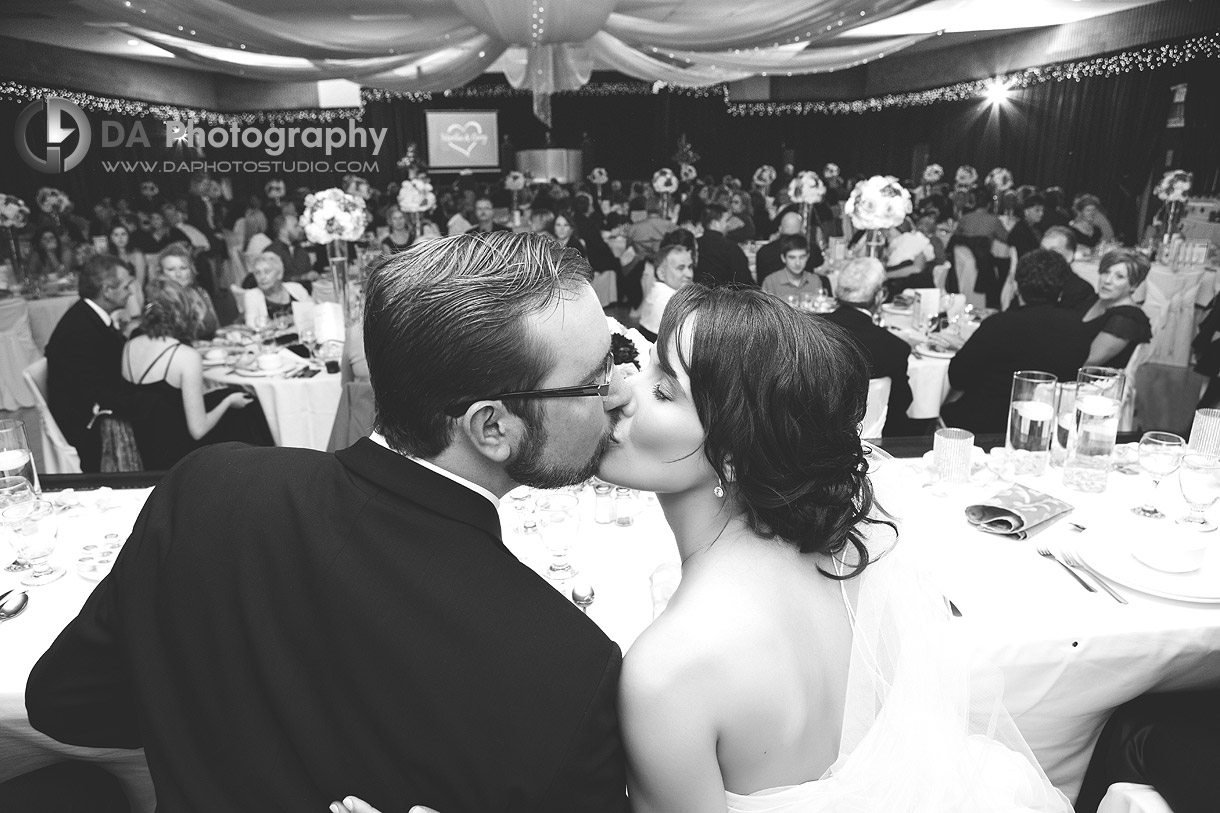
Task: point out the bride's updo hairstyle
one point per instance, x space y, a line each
781 395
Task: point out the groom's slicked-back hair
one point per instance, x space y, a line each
446 321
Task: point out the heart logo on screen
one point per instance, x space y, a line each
464 138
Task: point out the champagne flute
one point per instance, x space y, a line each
559 518
32 529
14 490
1160 455
1199 479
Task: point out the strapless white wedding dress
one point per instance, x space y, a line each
921 733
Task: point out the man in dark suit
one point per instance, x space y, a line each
83 358
860 291
721 261
286 627
769 259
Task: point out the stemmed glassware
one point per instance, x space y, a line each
15 490
1199 478
31 528
1160 455
559 522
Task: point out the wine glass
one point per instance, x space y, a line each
15 490
32 529
521 499
1199 478
559 522
1160 454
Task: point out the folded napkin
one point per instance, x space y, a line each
1018 512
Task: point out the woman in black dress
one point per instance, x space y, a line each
1115 322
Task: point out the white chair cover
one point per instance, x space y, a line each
967 274
1127 417
17 351
878 407
1170 304
58 456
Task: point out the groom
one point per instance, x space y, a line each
284 626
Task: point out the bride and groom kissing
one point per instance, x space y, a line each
369 634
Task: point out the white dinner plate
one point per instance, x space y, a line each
934 352
215 362
1112 558
284 369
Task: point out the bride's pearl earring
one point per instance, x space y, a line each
719 489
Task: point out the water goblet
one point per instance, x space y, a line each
15 457
1160 454
559 522
15 490
31 528
521 499
1199 478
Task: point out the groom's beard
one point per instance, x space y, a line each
529 469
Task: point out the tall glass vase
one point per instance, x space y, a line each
874 244
1173 223
813 224
336 254
14 252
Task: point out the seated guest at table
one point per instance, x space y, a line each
50 257
741 218
118 244
795 279
1057 212
675 270
643 240
1167 740
588 221
1078 294
273 296
768 260
1038 335
542 221
1090 223
566 235
721 261
1027 232
976 221
288 234
400 236
83 358
315 595
485 217
860 291
908 261
678 237
156 235
176 264
172 415
1115 323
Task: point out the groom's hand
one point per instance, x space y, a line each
353 805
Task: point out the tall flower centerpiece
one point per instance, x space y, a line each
966 178
1172 191
999 182
514 182
599 178
275 191
14 215
334 218
805 190
875 205
932 175
415 197
53 203
665 184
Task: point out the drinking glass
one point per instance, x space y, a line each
15 490
1160 455
15 457
521 499
559 522
31 529
1031 420
951 450
1205 431
1099 394
1199 478
1065 421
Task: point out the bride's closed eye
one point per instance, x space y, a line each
659 393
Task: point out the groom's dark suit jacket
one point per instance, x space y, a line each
285 627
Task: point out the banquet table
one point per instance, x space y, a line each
300 411
1068 657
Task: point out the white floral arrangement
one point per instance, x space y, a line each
514 181
1174 186
999 180
599 176
14 214
52 200
966 177
149 189
631 350
880 202
687 172
806 187
211 189
355 185
275 189
333 214
765 175
830 172
416 195
664 181
933 173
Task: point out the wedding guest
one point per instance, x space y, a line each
860 292
1027 232
1077 292
643 239
678 237
51 257
542 221
273 295
367 595
1038 335
588 221
155 234
741 226
172 415
721 261
1116 325
768 259
83 358
400 236
288 234
795 279
1090 224
118 244
1056 213
485 217
567 236
976 221
675 270
177 264
909 257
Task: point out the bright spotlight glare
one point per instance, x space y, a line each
997 92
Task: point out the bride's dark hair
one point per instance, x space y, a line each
781 395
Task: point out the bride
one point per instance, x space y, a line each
802 664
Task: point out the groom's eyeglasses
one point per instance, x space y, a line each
602 389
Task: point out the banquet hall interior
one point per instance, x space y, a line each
899 167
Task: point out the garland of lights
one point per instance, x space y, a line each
1150 58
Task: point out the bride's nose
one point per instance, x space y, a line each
621 396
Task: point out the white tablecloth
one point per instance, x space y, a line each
929 378
300 411
45 315
17 351
1068 657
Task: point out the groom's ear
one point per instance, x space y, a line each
491 430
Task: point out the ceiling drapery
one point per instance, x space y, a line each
547 46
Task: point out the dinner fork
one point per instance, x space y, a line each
1075 562
1045 552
